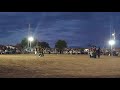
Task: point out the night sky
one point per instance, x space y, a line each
77 28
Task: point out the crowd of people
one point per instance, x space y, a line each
72 51
95 52
40 51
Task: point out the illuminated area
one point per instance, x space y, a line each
111 42
113 34
30 39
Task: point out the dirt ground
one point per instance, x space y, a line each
59 66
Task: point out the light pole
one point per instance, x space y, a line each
29 35
114 36
111 43
30 39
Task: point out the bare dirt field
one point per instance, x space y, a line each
58 66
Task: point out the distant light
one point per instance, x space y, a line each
30 39
112 42
113 34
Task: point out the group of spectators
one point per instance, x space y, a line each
94 52
65 51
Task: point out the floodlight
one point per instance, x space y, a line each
30 39
112 42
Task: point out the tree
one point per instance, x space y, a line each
60 45
24 43
44 44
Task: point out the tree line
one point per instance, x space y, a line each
60 44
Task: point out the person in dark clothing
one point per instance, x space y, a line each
94 52
98 52
41 52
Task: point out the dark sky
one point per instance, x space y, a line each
77 28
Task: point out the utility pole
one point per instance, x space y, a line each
28 35
114 36
110 39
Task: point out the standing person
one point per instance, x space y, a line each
35 50
90 52
94 50
39 51
42 52
98 52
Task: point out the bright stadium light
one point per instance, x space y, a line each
30 39
113 34
111 42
